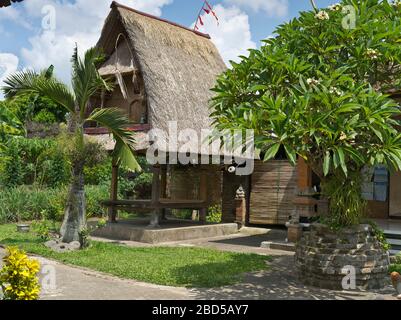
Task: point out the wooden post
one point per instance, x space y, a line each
304 203
155 196
304 176
203 194
163 188
113 192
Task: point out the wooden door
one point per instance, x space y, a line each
273 189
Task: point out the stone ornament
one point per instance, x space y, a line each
58 246
396 280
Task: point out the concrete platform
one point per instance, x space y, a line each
169 231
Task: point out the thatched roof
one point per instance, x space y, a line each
6 3
178 65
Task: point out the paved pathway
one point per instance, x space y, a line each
278 282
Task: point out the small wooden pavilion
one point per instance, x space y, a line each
164 72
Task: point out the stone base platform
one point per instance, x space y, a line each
168 231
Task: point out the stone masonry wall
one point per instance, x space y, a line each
322 254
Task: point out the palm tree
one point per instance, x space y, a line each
86 82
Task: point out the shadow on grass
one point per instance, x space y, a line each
280 282
217 274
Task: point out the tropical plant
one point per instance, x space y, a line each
9 123
18 277
33 161
316 91
214 214
86 83
27 203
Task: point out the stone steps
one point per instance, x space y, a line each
394 239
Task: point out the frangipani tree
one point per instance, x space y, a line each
316 91
86 82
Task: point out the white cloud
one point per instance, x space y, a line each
14 15
8 65
79 22
271 7
233 34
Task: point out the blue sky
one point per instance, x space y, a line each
37 33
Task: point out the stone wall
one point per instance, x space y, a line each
322 254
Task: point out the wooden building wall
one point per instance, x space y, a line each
135 106
270 192
184 182
273 189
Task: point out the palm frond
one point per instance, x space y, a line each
123 155
117 122
18 83
86 80
27 82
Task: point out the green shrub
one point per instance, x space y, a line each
395 268
18 277
138 183
26 203
44 116
214 214
94 196
37 108
33 161
142 185
41 229
99 173
182 213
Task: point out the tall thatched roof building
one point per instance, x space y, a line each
167 69
164 73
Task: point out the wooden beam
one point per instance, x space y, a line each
163 188
155 196
163 203
203 193
113 192
304 176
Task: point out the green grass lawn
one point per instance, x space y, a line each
189 267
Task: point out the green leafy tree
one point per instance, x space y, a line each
37 108
10 125
86 82
316 91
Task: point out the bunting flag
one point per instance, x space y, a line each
213 13
208 9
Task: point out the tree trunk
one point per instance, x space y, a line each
75 211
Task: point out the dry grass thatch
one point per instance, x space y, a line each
178 66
